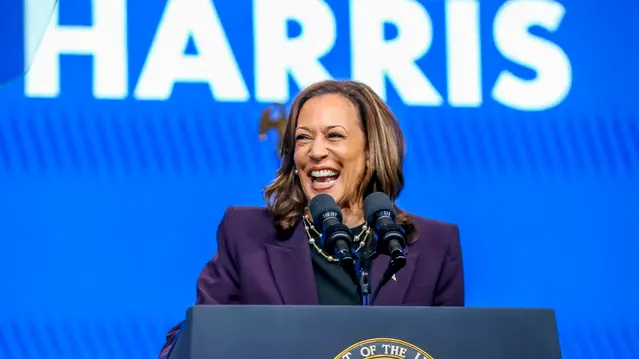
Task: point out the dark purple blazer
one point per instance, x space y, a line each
257 264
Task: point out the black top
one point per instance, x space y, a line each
334 285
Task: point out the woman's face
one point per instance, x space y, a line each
330 147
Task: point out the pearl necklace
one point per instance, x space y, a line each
360 239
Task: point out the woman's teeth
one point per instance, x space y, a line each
324 178
324 173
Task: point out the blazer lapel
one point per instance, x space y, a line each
292 268
394 291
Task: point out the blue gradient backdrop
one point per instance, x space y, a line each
108 209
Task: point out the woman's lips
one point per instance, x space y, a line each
323 179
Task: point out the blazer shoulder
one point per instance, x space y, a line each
435 231
432 224
248 215
248 224
248 210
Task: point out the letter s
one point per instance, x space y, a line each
554 73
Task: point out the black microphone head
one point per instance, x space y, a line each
375 202
323 206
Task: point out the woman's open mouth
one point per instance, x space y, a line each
323 179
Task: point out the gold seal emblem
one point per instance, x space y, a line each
383 348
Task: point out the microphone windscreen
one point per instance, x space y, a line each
323 203
375 202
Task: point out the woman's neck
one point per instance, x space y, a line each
352 217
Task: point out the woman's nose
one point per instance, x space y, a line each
318 150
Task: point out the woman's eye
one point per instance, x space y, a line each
301 137
335 135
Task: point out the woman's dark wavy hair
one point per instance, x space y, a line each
385 146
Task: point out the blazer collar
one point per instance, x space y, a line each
394 291
290 261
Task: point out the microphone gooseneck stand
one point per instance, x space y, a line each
367 293
367 255
389 236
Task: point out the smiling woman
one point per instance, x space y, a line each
341 140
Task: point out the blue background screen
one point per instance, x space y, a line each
112 183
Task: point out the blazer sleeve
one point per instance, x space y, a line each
218 281
449 291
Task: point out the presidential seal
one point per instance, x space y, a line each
383 348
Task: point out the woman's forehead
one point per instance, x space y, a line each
328 110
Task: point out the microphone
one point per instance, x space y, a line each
336 237
391 239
